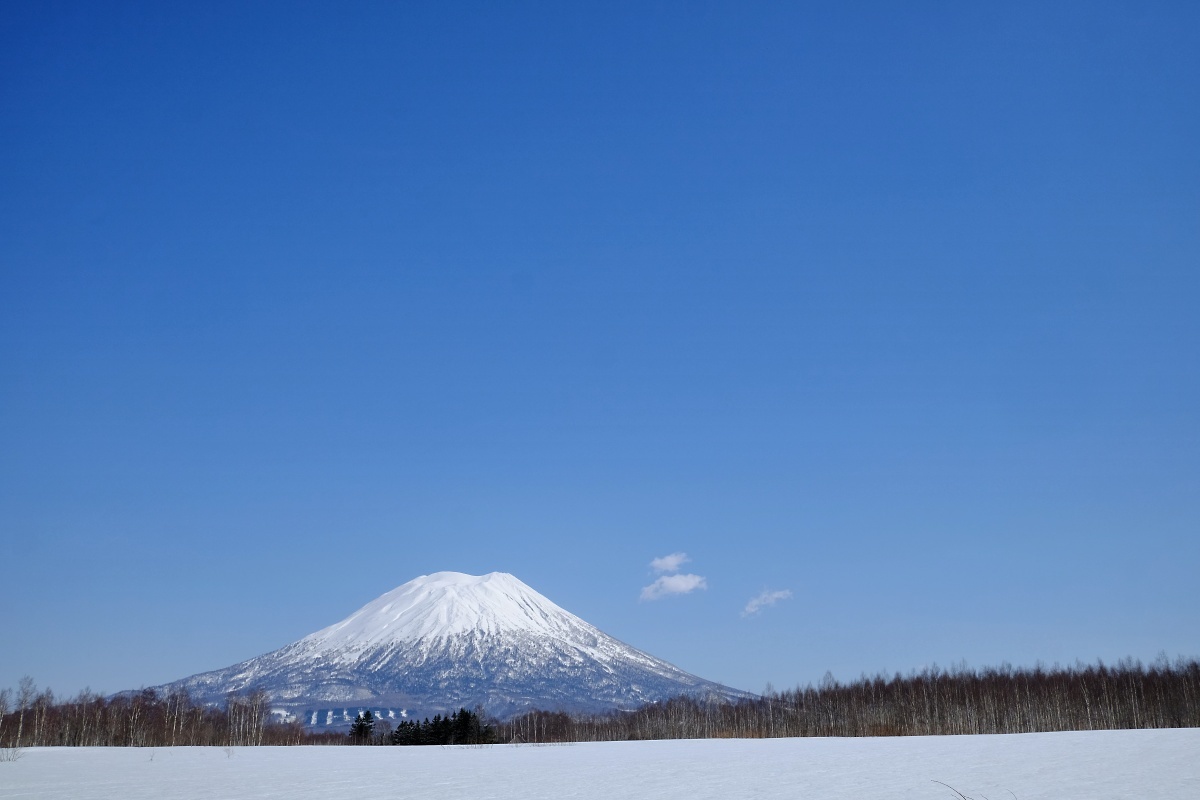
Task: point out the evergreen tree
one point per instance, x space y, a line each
460 727
362 728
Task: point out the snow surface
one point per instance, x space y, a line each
1091 765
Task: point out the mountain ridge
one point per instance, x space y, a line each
450 640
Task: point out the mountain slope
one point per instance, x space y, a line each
449 640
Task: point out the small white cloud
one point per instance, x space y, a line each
764 599
670 563
673 584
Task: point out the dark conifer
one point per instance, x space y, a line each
362 728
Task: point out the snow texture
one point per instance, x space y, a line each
1092 765
448 640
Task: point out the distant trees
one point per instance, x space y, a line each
247 717
931 702
144 719
148 719
362 728
461 727
26 689
4 695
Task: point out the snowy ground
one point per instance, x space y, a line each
1160 764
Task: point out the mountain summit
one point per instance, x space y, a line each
446 605
449 640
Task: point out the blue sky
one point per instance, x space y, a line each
891 308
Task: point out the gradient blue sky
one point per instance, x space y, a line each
891 306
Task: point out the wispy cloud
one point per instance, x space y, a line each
764 599
673 584
670 563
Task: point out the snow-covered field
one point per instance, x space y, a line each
1159 764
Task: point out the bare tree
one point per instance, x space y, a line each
931 702
5 694
26 691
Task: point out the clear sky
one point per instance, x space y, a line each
888 311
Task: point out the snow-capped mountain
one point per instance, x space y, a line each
449 640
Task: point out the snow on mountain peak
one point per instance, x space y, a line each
447 604
447 641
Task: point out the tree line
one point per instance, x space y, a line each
931 702
32 718
459 727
